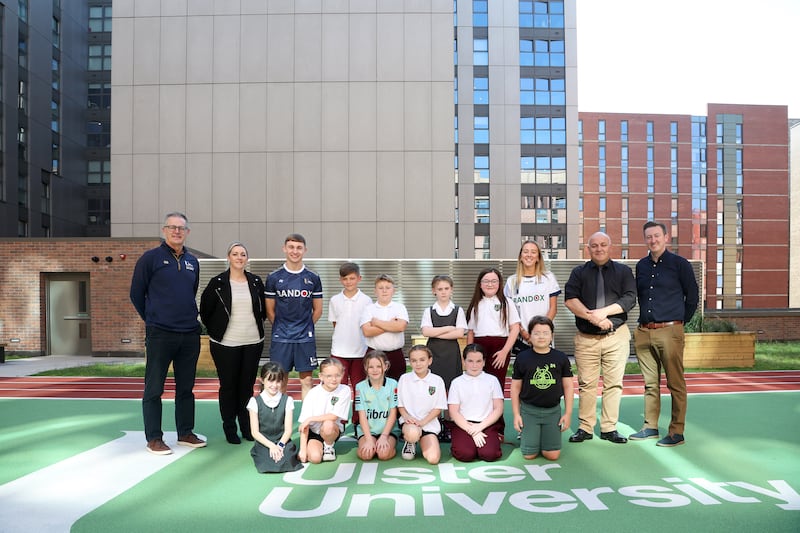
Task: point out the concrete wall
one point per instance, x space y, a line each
257 119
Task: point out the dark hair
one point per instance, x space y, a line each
441 277
474 347
376 354
296 237
274 372
349 268
543 320
477 295
652 224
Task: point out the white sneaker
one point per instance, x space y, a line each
328 453
409 451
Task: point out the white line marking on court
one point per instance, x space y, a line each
55 497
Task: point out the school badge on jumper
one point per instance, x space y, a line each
334 399
431 391
497 307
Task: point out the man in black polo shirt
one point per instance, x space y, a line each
668 297
600 293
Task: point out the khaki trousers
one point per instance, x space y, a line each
657 348
594 353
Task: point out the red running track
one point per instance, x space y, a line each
206 388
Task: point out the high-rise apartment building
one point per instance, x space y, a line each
339 120
720 182
516 143
43 119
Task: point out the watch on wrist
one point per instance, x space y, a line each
281 445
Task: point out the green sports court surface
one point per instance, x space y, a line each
80 465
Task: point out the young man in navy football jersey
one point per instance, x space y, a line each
294 304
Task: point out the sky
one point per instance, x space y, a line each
650 56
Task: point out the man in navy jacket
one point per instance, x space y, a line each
163 290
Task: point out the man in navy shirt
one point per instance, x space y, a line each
163 291
294 304
600 293
668 297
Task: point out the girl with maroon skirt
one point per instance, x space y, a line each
493 322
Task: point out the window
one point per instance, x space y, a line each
542 91
541 14
482 210
480 52
98 172
673 132
649 131
480 130
601 130
480 90
45 207
54 116
56 156
481 166
56 30
543 209
738 134
623 130
541 53
99 18
543 130
543 169
100 57
99 211
480 13
98 134
55 74
100 95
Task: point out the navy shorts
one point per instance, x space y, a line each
300 356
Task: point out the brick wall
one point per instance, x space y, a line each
24 267
769 324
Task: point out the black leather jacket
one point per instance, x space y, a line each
215 303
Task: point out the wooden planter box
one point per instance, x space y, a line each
720 350
205 362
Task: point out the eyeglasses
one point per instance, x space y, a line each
180 229
490 282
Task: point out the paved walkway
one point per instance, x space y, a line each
33 365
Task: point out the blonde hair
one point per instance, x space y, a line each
538 269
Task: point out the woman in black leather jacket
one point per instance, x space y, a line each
233 310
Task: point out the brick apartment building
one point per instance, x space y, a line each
721 182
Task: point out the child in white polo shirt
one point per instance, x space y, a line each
420 400
384 324
476 408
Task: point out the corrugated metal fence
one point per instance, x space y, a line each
413 281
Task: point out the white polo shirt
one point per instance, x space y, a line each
475 395
348 340
319 401
420 396
388 340
489 323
